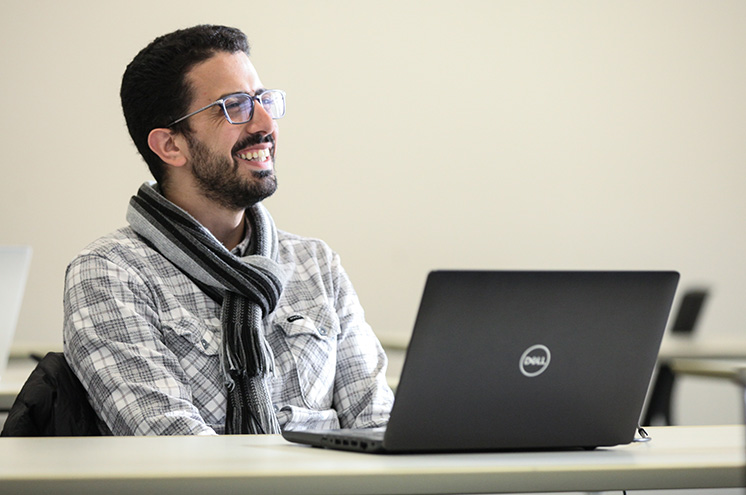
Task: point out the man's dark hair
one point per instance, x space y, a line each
154 89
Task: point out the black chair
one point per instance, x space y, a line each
52 402
658 409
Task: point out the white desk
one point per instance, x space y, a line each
677 457
729 369
396 344
673 350
700 347
671 347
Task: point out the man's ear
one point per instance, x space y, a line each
164 144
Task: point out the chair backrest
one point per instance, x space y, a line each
689 311
52 402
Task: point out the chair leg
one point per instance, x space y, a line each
659 407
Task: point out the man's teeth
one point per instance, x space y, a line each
259 155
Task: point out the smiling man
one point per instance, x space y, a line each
200 316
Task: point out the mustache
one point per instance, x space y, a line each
253 140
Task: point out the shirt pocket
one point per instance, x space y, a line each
310 336
196 345
199 333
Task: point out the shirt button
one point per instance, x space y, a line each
204 344
322 331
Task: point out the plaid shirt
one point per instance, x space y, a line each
144 341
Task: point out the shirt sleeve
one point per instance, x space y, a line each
362 396
113 343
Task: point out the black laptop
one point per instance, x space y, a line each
522 360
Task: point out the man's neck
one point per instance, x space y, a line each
230 230
228 226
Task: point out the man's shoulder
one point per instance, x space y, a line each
290 238
121 238
301 246
122 245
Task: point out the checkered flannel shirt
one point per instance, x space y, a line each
144 340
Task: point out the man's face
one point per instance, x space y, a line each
233 165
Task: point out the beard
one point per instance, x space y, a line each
218 177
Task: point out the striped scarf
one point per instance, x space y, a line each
248 289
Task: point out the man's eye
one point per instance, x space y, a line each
233 104
269 98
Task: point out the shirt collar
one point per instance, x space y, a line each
242 249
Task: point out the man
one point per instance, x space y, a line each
200 317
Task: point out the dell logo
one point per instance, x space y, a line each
535 360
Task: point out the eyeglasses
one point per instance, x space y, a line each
238 108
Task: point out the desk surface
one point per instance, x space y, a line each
673 346
677 457
700 347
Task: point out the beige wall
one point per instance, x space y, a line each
478 134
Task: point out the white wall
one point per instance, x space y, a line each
440 134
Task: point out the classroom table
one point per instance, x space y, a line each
733 370
673 346
395 344
673 349
676 457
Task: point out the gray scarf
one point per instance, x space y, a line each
248 289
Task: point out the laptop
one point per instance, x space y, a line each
14 267
522 360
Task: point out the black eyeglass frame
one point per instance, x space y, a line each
252 99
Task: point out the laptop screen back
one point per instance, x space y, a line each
14 266
530 359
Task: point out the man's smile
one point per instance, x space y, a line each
256 158
256 155
256 152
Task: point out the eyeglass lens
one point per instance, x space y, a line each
239 107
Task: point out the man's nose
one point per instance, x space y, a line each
261 121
